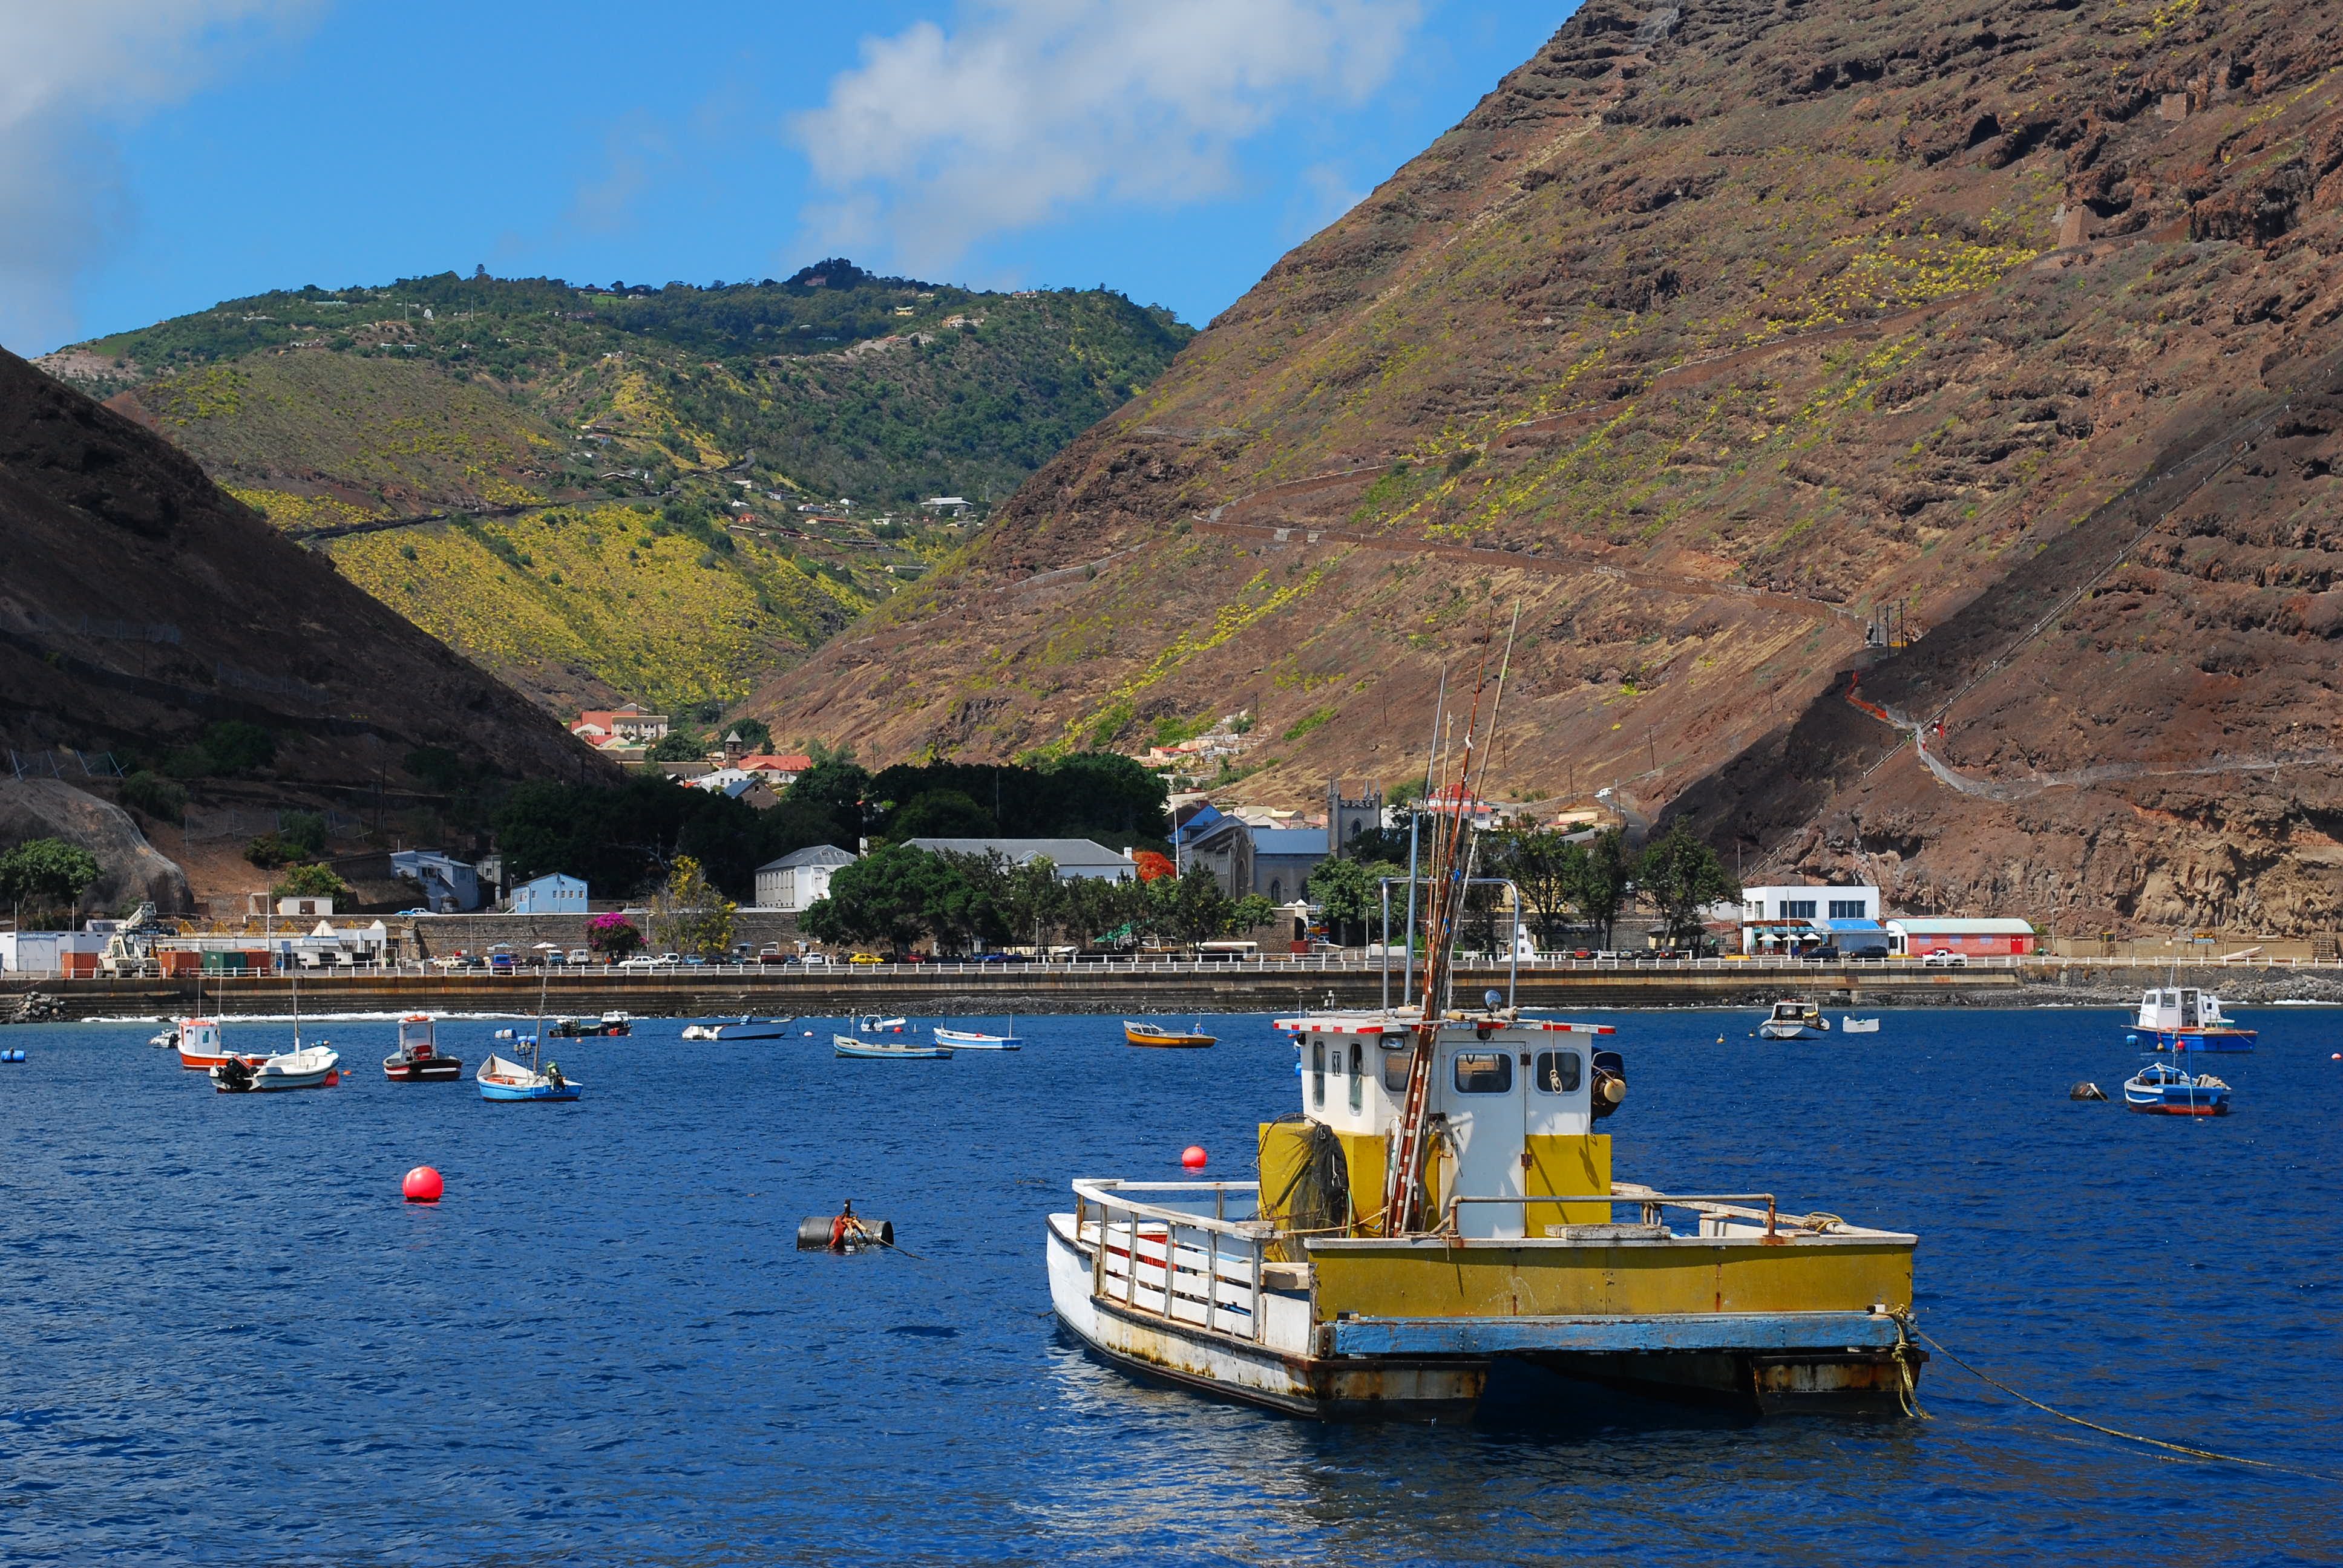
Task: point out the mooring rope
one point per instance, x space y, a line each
2094 1426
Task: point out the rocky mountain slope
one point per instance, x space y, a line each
1720 337
141 607
602 493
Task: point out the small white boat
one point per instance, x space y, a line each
164 1039
745 1029
1794 1020
303 1067
1857 1025
976 1040
888 1050
871 1023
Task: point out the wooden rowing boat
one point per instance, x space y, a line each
1164 1038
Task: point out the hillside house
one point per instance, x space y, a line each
551 894
629 723
448 886
778 770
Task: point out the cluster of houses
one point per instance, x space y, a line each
623 734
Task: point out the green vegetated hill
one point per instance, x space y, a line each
603 492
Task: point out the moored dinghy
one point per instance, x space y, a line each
501 1080
977 1040
1857 1025
1794 1019
2163 1089
315 1066
888 1049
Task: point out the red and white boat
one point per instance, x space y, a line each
202 1046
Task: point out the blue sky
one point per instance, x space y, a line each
158 155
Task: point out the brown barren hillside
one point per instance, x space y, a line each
1710 337
140 604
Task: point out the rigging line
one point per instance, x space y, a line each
2113 1431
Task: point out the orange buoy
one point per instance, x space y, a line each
422 1185
1193 1157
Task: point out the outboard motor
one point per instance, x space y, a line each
233 1075
1608 1087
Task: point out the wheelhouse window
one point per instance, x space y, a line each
1395 1071
1358 1076
1558 1071
1317 1072
1484 1071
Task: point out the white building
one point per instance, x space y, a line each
798 879
1074 858
1789 916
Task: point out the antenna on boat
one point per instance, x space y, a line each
1403 1184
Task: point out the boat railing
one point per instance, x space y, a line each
1171 1259
1717 1210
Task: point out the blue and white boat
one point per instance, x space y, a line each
2182 1018
2164 1089
501 1080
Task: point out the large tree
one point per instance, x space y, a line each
1683 877
1549 871
891 897
1349 896
47 873
1604 876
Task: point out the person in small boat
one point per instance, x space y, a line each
553 1075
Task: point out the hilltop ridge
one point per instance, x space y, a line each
630 491
1732 341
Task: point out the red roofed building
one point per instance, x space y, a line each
778 771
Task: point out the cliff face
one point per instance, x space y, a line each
140 604
1715 338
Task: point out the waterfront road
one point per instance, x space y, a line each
947 989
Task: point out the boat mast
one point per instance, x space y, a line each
1403 1185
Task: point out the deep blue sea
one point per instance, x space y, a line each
228 1341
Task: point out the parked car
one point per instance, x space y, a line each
770 953
641 961
581 955
811 960
1946 959
866 959
1002 958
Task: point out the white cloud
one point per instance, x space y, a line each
72 74
940 138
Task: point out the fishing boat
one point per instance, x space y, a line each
1794 1020
2164 1089
500 1079
871 1023
419 1059
747 1028
2182 1018
888 1050
1857 1025
1444 1210
609 1026
203 1045
1148 1034
164 1039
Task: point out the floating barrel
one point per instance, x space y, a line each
815 1230
12 1056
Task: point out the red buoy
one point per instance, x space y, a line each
422 1185
1193 1157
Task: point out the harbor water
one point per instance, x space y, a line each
227 1341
